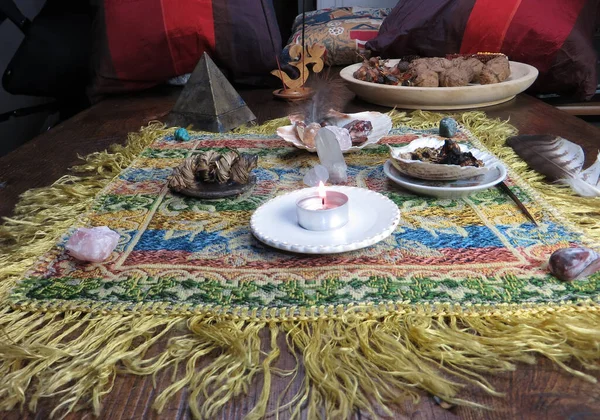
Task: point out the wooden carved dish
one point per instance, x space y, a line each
299 94
213 191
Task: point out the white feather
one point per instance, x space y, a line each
571 155
560 160
580 187
586 183
592 174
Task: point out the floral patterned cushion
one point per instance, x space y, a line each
343 30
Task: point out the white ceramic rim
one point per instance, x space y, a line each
502 175
392 210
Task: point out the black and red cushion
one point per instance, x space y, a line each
141 43
555 36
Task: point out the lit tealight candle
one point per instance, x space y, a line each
323 211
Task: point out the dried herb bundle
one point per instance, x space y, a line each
213 167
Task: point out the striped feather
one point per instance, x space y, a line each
559 160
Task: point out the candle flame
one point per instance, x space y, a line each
322 192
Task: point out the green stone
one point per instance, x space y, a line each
448 127
181 134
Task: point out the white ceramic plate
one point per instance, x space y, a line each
436 171
473 96
446 189
373 217
382 124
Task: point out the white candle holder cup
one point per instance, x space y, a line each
323 213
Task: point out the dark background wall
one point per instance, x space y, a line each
287 10
15 131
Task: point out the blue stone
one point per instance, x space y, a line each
448 127
181 134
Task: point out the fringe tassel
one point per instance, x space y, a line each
365 358
357 361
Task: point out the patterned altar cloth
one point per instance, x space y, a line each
181 253
458 291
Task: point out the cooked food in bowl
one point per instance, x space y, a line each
436 71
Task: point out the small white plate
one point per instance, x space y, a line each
373 217
382 124
446 189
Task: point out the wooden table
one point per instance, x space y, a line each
542 391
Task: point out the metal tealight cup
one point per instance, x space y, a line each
316 213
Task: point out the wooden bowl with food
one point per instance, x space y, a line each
438 83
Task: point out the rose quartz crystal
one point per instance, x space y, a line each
92 244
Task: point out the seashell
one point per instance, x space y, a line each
573 263
381 123
436 171
296 118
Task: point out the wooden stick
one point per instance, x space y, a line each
518 202
280 73
303 41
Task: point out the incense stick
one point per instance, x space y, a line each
303 40
518 202
280 73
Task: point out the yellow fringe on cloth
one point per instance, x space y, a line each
361 357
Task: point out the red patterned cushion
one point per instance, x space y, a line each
141 43
555 36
